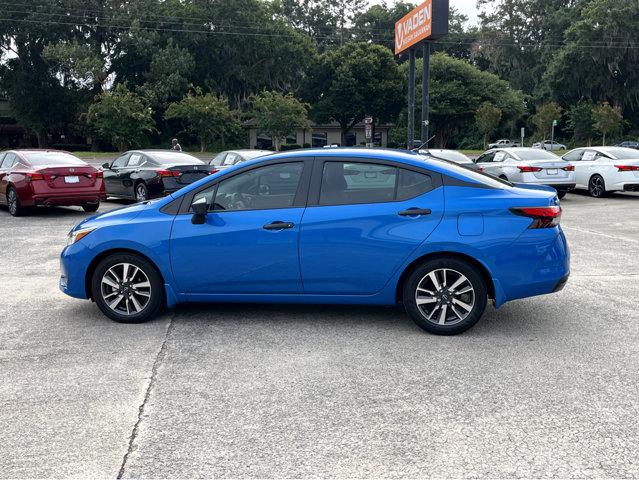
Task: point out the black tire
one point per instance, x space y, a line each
141 192
13 203
561 193
457 319
91 207
100 291
597 186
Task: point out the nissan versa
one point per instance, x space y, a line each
350 226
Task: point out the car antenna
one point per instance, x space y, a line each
424 144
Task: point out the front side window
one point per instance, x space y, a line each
120 161
486 158
573 156
272 186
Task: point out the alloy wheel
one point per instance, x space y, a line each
141 193
126 289
12 200
597 187
445 296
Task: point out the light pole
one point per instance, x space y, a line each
552 133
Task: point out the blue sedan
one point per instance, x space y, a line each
329 226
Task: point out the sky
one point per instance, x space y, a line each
467 7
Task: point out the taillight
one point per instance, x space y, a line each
168 173
543 217
211 172
527 169
481 169
98 174
33 176
569 168
627 168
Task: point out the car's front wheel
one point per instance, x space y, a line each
127 288
445 296
91 207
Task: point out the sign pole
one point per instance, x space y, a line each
411 98
425 93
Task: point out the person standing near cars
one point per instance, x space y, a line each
175 146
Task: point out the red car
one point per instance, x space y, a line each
30 178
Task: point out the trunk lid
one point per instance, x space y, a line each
186 174
551 169
76 176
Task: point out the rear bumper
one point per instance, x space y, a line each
631 187
62 199
561 187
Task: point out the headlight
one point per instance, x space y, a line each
76 235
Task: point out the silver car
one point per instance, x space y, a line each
548 145
230 157
450 155
529 165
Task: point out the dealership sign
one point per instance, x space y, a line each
426 21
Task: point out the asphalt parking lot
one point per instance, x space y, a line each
542 387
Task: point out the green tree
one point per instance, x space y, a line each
542 120
518 38
349 83
377 23
279 115
457 90
121 118
607 119
206 116
580 121
599 58
487 118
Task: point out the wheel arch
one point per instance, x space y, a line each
102 255
490 286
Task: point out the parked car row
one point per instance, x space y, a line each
599 170
32 178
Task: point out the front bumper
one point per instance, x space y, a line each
74 261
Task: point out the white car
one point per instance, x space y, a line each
530 166
550 146
601 170
503 143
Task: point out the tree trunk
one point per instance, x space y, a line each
202 145
604 139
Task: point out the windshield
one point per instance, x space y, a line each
255 154
535 154
451 155
38 159
173 158
622 153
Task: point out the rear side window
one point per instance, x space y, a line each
346 183
8 161
136 160
412 184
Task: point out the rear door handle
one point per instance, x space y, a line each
415 212
278 225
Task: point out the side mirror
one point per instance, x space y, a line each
106 166
200 209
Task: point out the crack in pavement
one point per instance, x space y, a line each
147 394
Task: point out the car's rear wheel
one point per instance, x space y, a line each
141 192
13 203
127 288
597 186
445 296
91 207
561 193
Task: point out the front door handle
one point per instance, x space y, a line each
278 225
415 212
